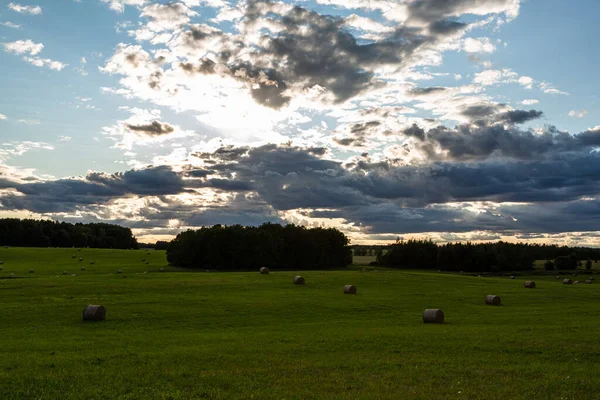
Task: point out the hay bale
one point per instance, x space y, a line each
31 271
11 275
1 262
94 313
92 262
576 283
433 316
65 272
530 284
512 277
83 268
350 289
493 300
80 259
79 249
298 280
147 262
162 270
567 282
143 260
589 281
0 268
264 270
73 256
73 274
119 272
558 277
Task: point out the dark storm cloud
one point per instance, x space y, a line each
433 11
155 128
65 195
358 133
381 195
468 143
519 116
426 91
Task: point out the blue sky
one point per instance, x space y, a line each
102 97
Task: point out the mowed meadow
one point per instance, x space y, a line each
226 335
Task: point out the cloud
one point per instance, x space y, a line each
46 62
155 128
32 49
549 88
23 47
119 5
9 24
28 121
578 114
530 102
2 116
33 10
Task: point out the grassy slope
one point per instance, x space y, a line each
242 335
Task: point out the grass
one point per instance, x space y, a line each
194 335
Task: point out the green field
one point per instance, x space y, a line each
194 335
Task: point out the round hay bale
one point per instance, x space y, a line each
73 274
162 270
493 300
65 272
512 277
558 277
0 268
79 249
92 262
589 281
298 280
264 270
94 313
31 271
11 275
433 316
147 262
574 274
73 256
530 284
80 259
1 262
119 272
576 283
83 268
350 289
567 282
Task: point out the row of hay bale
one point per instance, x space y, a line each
430 316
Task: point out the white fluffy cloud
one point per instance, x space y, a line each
33 10
9 24
119 5
578 114
529 102
46 62
23 47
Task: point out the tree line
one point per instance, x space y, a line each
485 257
269 245
47 233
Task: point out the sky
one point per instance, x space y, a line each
447 120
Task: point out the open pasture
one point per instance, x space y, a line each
191 335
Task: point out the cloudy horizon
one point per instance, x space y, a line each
450 121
